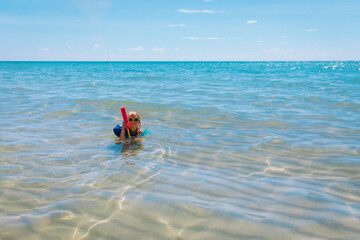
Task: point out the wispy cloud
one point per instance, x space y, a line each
251 21
44 49
177 25
192 38
204 38
156 49
312 30
188 11
95 47
208 0
139 48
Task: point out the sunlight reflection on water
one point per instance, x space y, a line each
237 151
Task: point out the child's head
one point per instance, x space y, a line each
134 119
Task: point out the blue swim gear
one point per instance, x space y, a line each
118 128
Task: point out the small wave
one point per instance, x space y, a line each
15 148
347 105
22 89
110 104
59 114
270 123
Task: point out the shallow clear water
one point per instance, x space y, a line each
259 150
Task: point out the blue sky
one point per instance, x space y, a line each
179 30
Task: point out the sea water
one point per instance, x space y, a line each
238 150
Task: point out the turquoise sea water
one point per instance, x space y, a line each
238 150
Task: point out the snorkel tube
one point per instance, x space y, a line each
125 118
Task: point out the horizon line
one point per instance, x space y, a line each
111 61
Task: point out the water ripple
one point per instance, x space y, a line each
238 150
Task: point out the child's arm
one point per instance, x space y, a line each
122 134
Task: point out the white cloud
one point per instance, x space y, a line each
251 21
204 38
95 47
312 30
192 38
208 0
44 49
187 11
139 48
177 25
259 41
156 49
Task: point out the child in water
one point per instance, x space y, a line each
135 126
